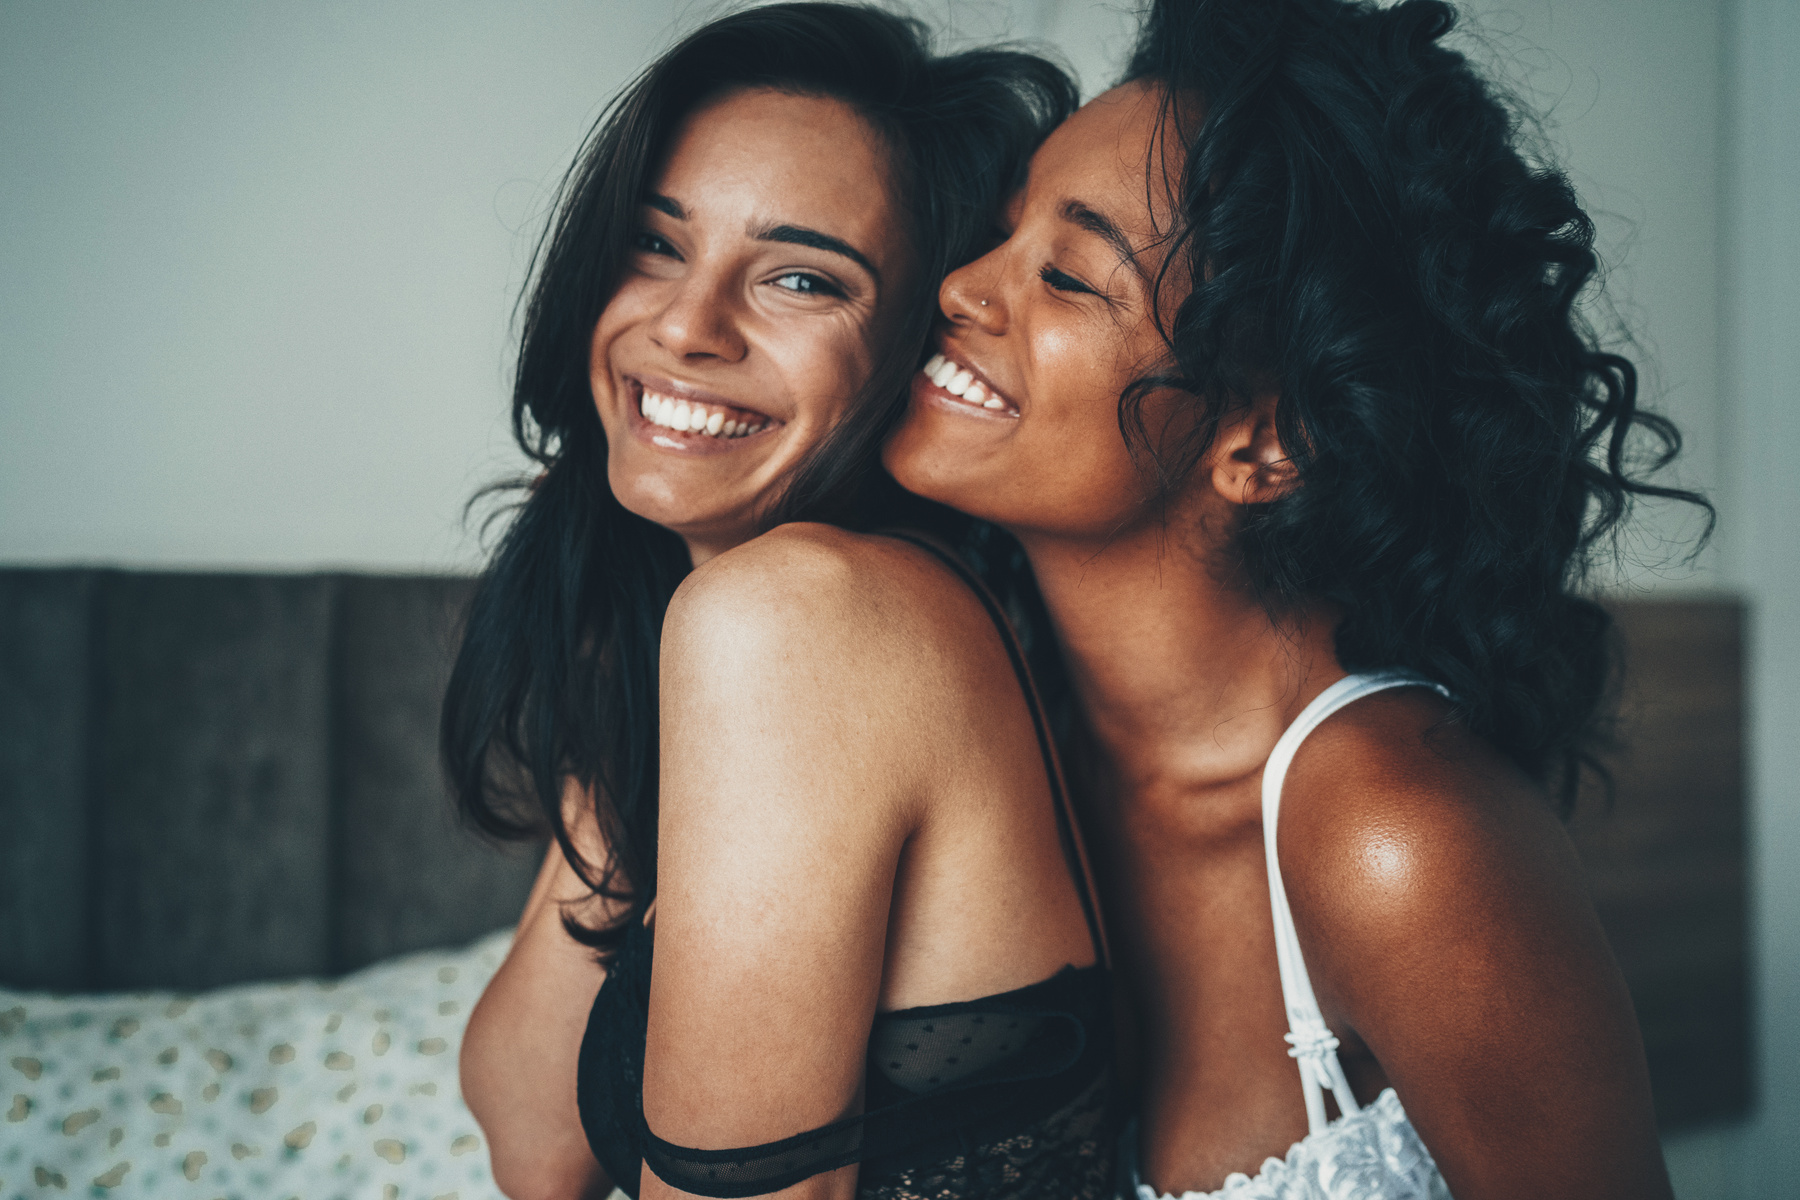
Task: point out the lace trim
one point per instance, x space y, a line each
1069 1155
1374 1154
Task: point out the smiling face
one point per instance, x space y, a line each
751 310
1016 419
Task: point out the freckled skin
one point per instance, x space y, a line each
1440 906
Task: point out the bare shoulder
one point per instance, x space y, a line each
1398 824
1447 930
812 591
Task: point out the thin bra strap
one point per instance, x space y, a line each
1310 1043
1074 853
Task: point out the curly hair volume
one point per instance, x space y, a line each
1368 236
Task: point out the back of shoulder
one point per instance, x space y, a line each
811 591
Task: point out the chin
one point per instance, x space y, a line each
658 499
926 466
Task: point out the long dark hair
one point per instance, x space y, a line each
1367 237
556 677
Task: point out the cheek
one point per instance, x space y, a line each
826 365
631 305
1068 469
1084 375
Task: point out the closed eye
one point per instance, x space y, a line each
807 284
1062 282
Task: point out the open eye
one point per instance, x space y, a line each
650 243
1062 282
807 284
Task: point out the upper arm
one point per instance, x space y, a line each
788 789
1445 921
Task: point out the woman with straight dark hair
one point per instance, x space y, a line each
805 756
1310 452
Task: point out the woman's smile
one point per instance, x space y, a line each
948 382
684 419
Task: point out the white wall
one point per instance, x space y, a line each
257 266
259 263
1759 287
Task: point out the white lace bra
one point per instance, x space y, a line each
1368 1153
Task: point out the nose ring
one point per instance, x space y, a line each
984 304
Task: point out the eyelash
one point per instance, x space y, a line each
650 243
819 285
1062 282
814 285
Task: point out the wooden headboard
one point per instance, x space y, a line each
1666 858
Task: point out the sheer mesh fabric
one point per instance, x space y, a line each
1009 1097
920 1053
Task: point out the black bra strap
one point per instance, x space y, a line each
1074 854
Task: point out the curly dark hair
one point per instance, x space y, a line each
556 676
1369 239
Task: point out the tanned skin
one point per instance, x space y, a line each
854 815
1440 907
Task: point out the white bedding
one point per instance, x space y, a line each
309 1089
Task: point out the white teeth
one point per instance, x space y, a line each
683 417
959 381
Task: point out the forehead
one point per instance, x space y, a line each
757 155
1103 158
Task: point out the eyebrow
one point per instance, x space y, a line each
793 235
799 235
1080 214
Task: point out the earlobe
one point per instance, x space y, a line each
1250 466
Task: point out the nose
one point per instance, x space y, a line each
700 320
971 296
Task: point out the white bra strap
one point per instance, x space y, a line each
1311 1044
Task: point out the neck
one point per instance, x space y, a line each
1183 675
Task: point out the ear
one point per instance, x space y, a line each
1249 465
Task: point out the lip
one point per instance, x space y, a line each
925 389
664 438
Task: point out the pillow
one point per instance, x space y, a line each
306 1089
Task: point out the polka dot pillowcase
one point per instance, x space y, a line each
313 1090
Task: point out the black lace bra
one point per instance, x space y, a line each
1009 1097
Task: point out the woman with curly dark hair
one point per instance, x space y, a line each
1309 449
797 765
